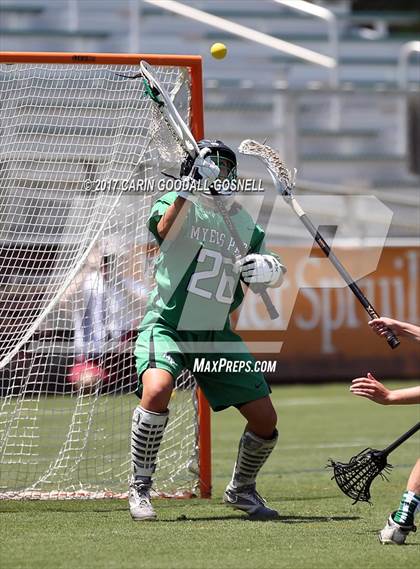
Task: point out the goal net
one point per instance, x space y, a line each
82 151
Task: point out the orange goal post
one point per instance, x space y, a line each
82 151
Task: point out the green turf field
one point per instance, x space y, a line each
318 528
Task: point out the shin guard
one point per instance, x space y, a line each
252 454
146 435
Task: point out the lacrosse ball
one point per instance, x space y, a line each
218 50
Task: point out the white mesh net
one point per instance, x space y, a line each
75 272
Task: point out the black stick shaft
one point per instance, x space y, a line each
401 439
391 338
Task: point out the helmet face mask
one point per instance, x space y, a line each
224 157
226 165
223 188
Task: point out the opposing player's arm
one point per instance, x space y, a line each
381 325
374 390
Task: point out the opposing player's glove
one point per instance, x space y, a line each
262 269
203 172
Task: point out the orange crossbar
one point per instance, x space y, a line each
99 58
194 63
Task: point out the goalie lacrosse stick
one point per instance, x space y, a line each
354 478
182 133
284 181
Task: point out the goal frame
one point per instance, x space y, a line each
194 65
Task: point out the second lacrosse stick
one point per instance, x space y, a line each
284 182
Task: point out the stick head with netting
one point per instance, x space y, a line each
354 478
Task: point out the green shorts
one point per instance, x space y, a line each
220 361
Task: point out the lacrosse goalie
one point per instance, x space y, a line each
199 281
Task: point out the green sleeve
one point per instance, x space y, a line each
157 211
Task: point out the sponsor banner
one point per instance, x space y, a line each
322 332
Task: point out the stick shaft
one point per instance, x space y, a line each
391 338
401 439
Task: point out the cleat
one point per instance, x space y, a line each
247 499
141 508
394 533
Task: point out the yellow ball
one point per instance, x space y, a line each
218 50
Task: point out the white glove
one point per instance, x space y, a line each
203 172
264 269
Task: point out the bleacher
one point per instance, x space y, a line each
348 136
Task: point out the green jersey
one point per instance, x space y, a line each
196 285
